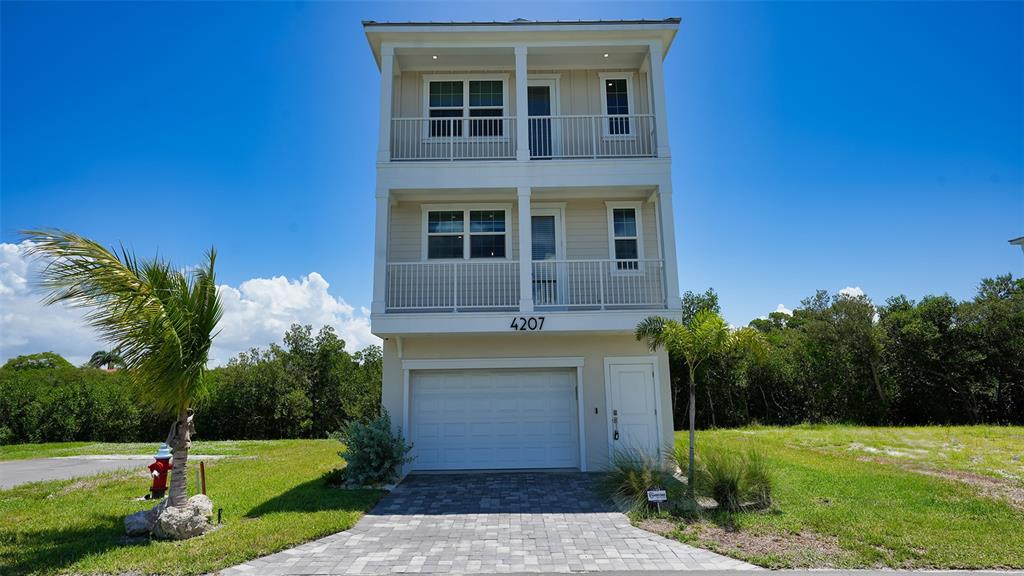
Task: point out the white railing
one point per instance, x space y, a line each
592 136
453 286
478 138
598 284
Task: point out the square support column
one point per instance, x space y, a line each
380 251
525 250
658 92
668 247
387 66
522 107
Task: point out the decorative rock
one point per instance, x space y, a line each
180 523
170 522
141 523
202 504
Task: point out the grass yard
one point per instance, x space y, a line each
271 494
925 497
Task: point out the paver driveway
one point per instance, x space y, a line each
486 523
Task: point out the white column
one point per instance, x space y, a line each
522 107
525 251
380 252
658 92
668 246
387 63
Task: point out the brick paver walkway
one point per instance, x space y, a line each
487 523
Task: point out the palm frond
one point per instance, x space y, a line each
160 319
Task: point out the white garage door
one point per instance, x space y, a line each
491 419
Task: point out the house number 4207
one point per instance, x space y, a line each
527 323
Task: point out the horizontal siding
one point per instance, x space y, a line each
579 91
586 231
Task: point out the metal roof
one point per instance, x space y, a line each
523 22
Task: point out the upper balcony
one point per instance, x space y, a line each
522 91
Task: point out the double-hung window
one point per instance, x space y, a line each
617 104
466 107
449 237
624 228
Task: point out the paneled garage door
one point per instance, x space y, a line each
491 419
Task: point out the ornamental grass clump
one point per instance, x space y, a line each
372 453
631 475
737 481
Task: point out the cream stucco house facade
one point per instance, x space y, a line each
524 226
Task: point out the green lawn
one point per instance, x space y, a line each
271 494
928 497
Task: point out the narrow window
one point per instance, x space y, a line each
446 105
486 104
616 92
626 238
487 234
445 234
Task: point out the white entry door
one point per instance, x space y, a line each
632 409
493 419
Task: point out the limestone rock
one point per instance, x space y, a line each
202 504
179 523
141 523
171 522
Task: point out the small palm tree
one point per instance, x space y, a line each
704 336
102 358
160 319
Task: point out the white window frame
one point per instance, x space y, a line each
465 209
603 78
637 208
466 79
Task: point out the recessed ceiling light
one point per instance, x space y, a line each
606 55
434 56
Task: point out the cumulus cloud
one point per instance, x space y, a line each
783 310
852 291
256 313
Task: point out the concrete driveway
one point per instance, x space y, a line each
487 523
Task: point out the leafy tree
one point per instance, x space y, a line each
160 318
36 361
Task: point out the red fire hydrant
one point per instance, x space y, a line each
159 470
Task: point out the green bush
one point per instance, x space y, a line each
372 452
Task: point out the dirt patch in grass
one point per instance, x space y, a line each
803 549
1008 490
92 482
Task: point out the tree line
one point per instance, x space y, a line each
842 358
308 387
835 358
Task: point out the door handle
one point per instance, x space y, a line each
615 424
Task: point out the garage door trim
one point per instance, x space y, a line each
498 363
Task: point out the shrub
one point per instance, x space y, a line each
736 481
631 475
372 452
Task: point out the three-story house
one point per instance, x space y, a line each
524 226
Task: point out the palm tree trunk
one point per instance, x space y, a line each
693 431
180 443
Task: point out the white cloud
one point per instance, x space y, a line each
852 291
783 310
260 310
256 313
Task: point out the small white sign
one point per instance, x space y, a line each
656 496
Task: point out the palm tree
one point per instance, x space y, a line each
160 319
102 358
705 335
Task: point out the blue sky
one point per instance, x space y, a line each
815 145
